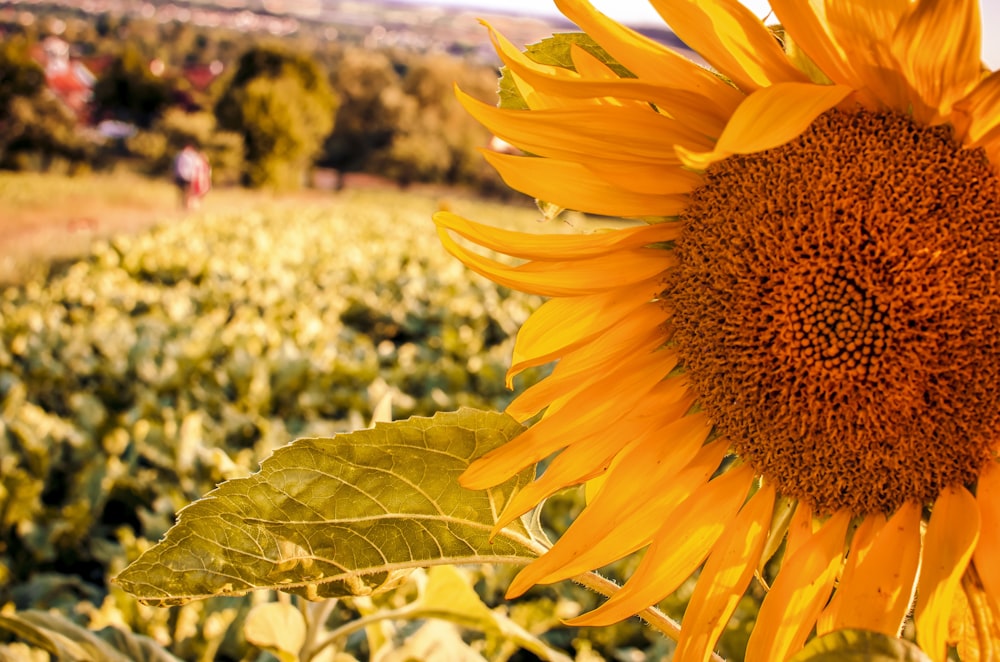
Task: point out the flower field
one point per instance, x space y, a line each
135 380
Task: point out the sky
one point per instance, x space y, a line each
639 11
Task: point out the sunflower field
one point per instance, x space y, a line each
134 381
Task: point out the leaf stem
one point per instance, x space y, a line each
316 615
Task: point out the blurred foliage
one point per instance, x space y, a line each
393 113
282 103
129 91
37 132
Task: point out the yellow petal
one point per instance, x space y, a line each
646 178
861 542
649 60
593 455
560 325
938 46
951 537
987 554
725 577
540 99
566 279
592 408
768 118
803 584
801 529
622 517
574 186
531 246
864 30
581 134
800 21
980 111
732 39
640 333
875 593
691 109
680 545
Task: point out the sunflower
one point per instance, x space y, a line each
794 346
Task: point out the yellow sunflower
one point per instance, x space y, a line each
806 322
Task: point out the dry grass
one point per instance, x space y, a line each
48 218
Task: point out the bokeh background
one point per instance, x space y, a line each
150 351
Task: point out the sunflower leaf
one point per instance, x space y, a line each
556 51
348 515
859 646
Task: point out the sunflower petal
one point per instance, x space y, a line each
574 186
566 279
800 530
586 133
597 84
725 577
530 246
649 60
864 30
591 456
680 545
951 537
592 407
875 593
804 582
810 34
861 542
980 110
624 510
646 178
938 46
732 39
560 325
640 333
987 554
768 118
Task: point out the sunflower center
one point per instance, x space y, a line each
836 305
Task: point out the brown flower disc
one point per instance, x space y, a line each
837 308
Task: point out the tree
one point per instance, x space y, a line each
36 129
129 90
373 106
283 105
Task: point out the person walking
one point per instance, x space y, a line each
193 176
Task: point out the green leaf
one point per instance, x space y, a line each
859 646
556 51
135 647
450 596
60 637
278 628
346 516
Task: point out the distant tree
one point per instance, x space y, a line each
373 106
128 90
441 142
20 75
283 105
37 131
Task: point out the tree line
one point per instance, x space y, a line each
278 110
